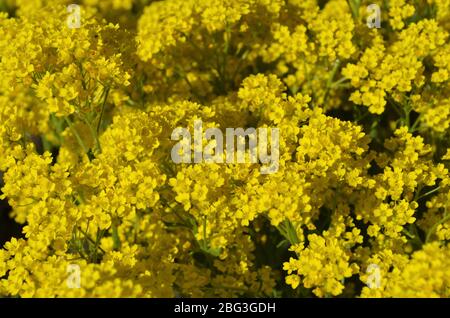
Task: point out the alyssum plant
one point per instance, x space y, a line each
114 201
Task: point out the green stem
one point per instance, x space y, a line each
354 6
205 245
429 192
103 110
75 133
433 228
57 124
97 242
414 126
336 66
342 80
90 239
286 228
411 236
115 236
94 135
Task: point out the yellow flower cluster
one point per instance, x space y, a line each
399 10
424 274
359 205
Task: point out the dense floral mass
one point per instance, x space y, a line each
360 204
